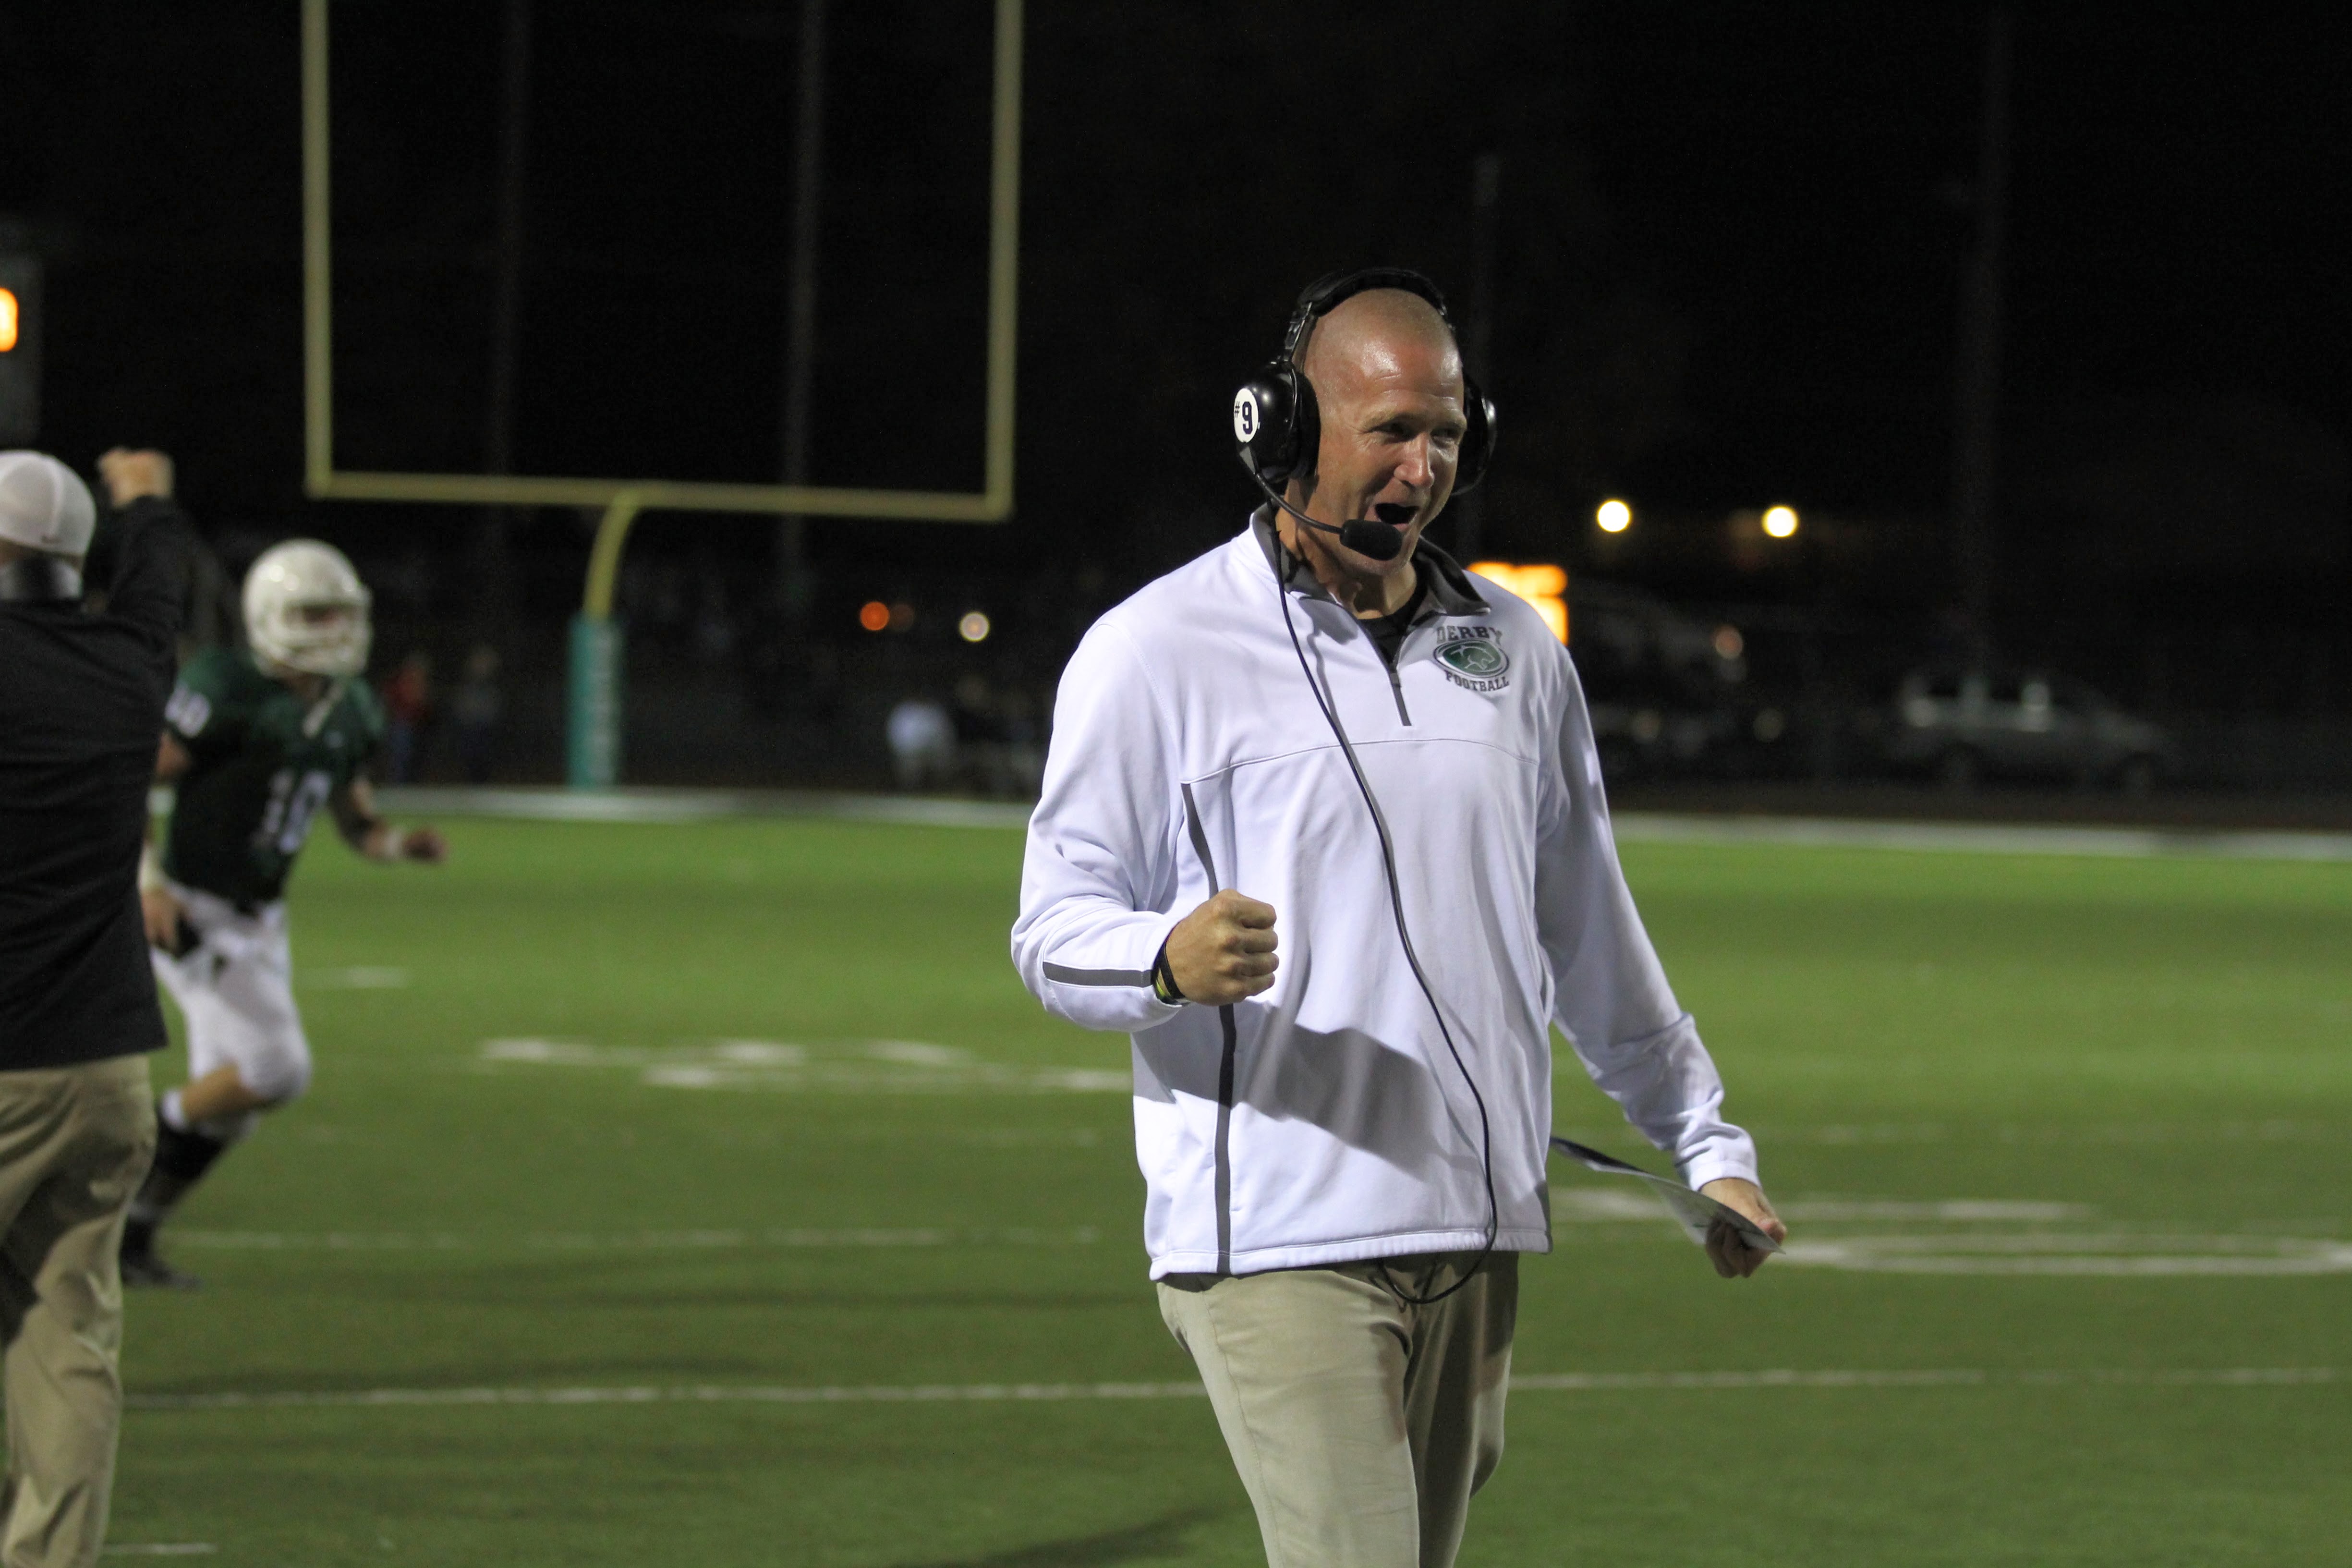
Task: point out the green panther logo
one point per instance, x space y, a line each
1475 657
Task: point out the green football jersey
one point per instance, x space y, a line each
262 764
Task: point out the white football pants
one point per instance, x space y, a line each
236 988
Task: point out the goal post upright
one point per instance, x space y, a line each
623 500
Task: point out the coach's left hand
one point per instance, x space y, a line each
1224 951
1732 1257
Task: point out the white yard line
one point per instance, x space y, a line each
630 1241
683 805
1988 1236
1978 837
1002 1393
1587 1204
1930 1377
2276 1129
686 806
2110 1253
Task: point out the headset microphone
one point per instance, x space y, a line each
1364 535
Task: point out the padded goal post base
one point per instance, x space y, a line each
592 720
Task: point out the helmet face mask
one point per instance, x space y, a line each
306 610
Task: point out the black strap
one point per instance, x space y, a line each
1163 980
1320 297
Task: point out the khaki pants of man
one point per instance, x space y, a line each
74 1145
1360 1423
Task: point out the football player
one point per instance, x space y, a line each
258 741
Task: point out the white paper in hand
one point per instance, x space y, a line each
1694 1210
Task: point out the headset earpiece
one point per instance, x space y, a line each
1275 425
1478 440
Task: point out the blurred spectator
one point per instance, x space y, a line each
407 707
715 631
922 742
478 707
1025 749
994 739
820 693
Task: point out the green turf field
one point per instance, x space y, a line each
660 1128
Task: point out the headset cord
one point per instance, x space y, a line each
1413 960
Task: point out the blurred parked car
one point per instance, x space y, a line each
1668 692
1969 725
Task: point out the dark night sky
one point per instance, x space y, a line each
1730 240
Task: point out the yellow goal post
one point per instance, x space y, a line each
595 696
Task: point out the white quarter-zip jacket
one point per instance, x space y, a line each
1327 1120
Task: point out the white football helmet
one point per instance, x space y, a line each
306 609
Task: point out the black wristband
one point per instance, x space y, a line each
1163 980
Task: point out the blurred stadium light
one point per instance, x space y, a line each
1613 516
20 348
1545 587
1780 521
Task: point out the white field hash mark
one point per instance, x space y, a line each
861 1066
1002 1393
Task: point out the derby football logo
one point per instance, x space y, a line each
1474 656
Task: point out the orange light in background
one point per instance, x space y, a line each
8 321
874 615
1545 587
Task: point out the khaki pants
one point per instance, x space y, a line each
1360 1423
74 1144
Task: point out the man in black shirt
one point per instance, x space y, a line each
81 706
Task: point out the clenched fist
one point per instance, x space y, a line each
1224 951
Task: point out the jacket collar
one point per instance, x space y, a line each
1452 591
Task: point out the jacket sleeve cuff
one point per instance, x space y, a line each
1104 981
1723 1159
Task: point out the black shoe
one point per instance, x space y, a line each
144 1269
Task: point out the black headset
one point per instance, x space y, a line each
1276 426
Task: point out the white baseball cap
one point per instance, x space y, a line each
44 505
